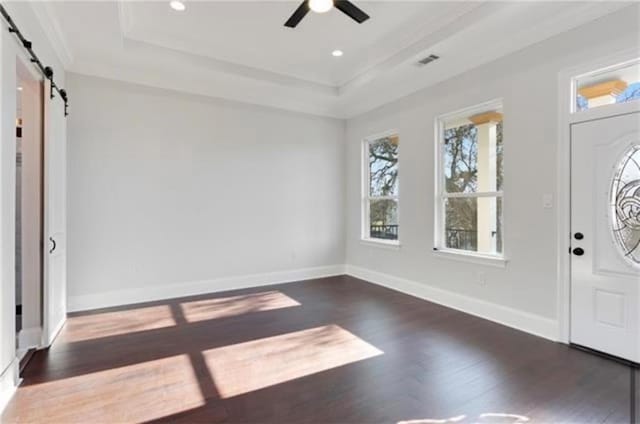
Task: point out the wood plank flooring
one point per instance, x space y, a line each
334 350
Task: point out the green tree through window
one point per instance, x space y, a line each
382 196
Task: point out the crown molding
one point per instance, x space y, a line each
51 27
241 90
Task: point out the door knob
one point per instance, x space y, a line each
578 251
579 236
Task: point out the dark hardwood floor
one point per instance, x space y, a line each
334 350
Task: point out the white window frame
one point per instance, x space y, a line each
366 192
440 249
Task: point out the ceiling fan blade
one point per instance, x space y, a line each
297 16
351 10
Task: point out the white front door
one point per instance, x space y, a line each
55 224
605 224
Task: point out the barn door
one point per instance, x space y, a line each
55 225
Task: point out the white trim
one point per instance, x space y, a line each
30 338
497 261
523 321
490 105
477 195
47 340
381 243
378 136
9 380
603 112
56 330
566 100
173 290
563 272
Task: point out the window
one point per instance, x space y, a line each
611 85
469 181
380 191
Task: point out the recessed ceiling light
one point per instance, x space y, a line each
337 53
177 5
320 6
19 88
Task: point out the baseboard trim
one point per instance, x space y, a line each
29 338
523 321
169 291
49 338
9 380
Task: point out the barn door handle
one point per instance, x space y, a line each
53 247
578 251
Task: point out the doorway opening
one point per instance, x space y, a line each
28 211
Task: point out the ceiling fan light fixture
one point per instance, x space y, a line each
320 6
337 53
177 5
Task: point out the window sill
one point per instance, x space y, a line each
383 244
474 258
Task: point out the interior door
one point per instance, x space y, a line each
605 223
55 226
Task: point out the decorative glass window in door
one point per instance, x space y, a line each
625 205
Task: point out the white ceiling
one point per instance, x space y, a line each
253 34
240 50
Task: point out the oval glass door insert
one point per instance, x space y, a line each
625 205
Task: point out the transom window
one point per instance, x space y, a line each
380 190
469 181
614 84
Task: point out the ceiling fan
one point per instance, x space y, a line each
321 6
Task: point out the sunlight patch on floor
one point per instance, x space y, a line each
88 327
488 418
134 393
255 365
502 417
224 307
455 419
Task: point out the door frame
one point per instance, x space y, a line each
35 339
566 104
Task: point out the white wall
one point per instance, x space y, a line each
168 189
9 51
528 83
180 193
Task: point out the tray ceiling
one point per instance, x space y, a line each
240 50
